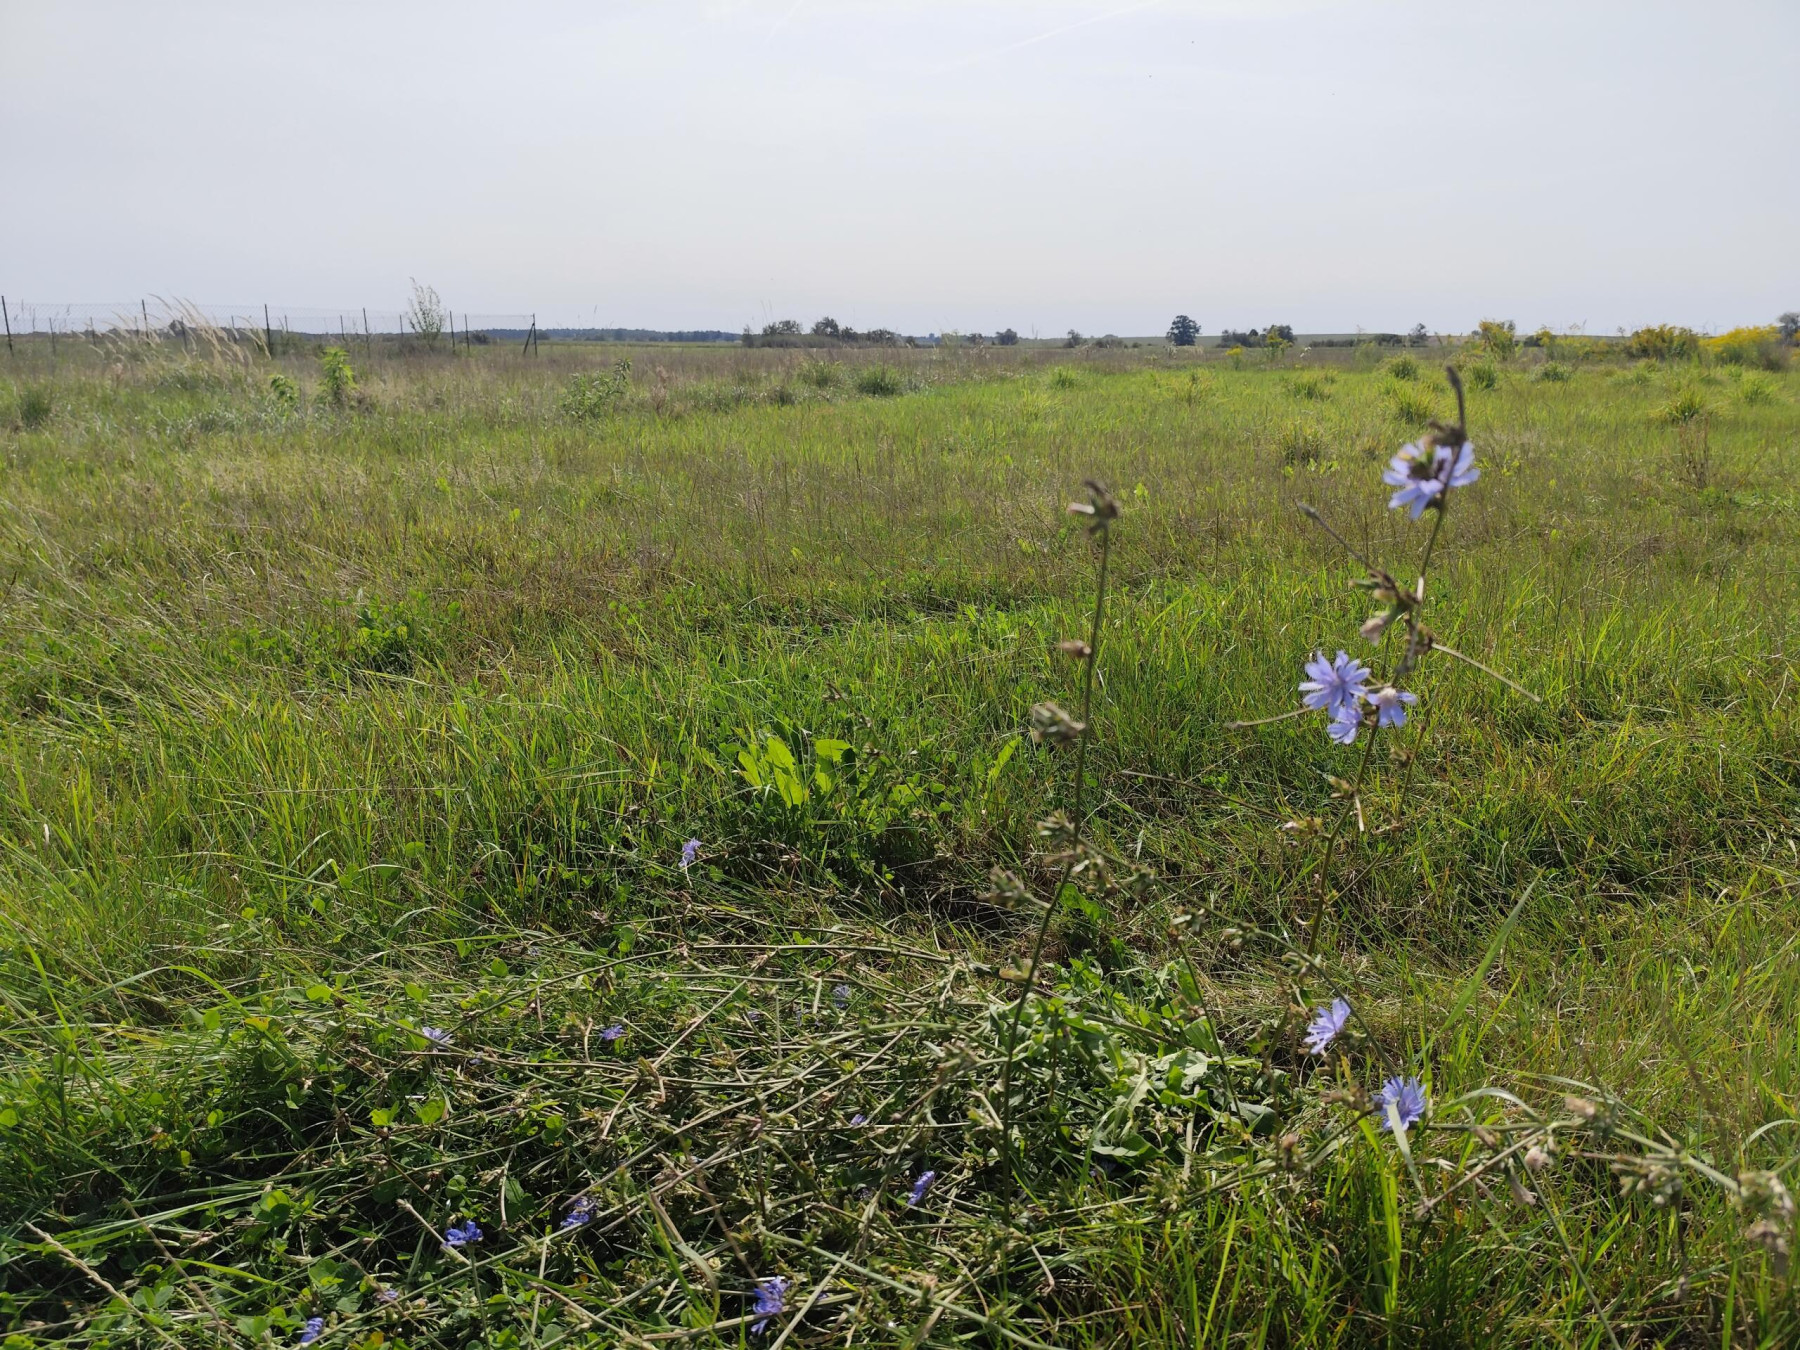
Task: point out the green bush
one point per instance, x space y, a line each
35 406
1410 405
1553 372
1687 405
588 397
880 381
1663 342
1311 384
820 374
337 381
1482 376
1064 378
1402 368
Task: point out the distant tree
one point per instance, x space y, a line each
1183 332
827 327
1499 336
782 328
1235 337
1790 325
1418 337
1007 338
1074 339
1284 332
749 338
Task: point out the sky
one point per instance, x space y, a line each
923 165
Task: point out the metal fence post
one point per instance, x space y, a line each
8 317
268 333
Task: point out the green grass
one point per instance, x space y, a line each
324 725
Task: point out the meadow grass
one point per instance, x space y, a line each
328 725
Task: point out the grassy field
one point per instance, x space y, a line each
351 746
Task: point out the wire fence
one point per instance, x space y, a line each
154 315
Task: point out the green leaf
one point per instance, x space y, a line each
318 993
431 1110
830 750
381 1117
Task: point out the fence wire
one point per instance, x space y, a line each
156 315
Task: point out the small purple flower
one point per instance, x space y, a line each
840 995
919 1188
1407 1098
859 1119
1390 705
314 1328
386 1295
689 851
1343 727
1325 1026
612 1033
771 1302
462 1235
1336 685
436 1035
580 1214
1422 473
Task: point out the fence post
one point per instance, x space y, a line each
144 306
530 332
268 333
8 317
535 344
468 344
368 338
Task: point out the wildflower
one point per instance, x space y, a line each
612 1033
464 1234
859 1119
840 995
314 1328
1342 728
1390 705
1327 1023
580 1214
689 851
1402 1097
1537 1158
771 1302
436 1035
1422 473
919 1188
1336 685
386 1295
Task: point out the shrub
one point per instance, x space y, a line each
35 406
1007 337
283 392
1311 384
1302 444
1755 390
1410 405
1402 368
1482 376
1663 342
587 397
880 381
337 381
1757 348
1063 378
1499 336
1553 372
820 374
1687 406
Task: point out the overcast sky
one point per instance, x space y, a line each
919 164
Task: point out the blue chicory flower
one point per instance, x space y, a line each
1390 705
689 851
386 1295
1336 686
1407 1098
612 1033
919 1188
1343 727
771 1302
1327 1023
436 1035
859 1119
314 1328
462 1235
580 1214
840 995
1422 473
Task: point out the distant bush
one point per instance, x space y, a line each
1481 376
1553 372
1006 337
1410 404
35 406
283 392
1663 342
1402 368
1755 348
1686 406
588 397
880 381
1499 336
337 381
1311 384
1755 390
1276 334
820 374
